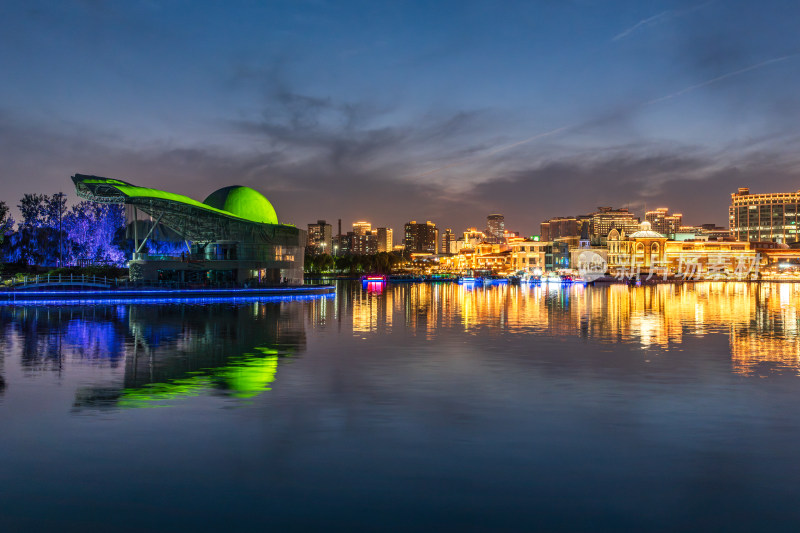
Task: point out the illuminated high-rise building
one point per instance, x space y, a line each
662 222
361 227
449 242
385 239
421 238
607 218
320 238
363 243
495 227
765 217
560 227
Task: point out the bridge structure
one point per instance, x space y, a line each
61 281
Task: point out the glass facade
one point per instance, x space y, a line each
764 217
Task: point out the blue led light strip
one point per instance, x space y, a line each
161 301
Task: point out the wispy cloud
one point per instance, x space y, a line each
720 78
660 18
489 151
655 19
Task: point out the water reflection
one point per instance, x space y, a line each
165 352
45 336
555 408
761 320
154 354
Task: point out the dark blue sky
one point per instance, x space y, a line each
408 110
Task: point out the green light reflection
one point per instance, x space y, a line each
245 377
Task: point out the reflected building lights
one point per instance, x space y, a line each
761 321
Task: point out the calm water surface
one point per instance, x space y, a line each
415 406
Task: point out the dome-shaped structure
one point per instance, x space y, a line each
646 232
243 202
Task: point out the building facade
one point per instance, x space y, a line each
449 241
473 237
233 236
527 255
363 243
649 253
565 227
594 226
361 227
764 217
495 227
385 239
320 238
421 238
663 222
607 218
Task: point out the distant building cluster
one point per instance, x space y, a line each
362 240
763 228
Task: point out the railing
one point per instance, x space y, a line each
22 282
199 258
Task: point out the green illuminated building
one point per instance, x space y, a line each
233 236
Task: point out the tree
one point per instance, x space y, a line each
327 263
54 208
6 222
40 234
29 234
6 230
93 231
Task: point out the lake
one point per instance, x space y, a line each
410 406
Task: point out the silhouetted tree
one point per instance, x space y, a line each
6 222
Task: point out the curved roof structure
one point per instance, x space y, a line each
243 202
231 213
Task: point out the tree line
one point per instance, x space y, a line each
380 263
50 234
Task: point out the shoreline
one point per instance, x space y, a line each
11 296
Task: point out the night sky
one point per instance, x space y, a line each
443 111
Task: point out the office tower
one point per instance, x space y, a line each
363 243
385 239
764 217
421 238
607 218
559 227
449 242
361 227
320 238
662 222
495 226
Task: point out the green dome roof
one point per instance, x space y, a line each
243 202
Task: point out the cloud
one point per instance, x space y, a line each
706 83
328 173
690 180
660 18
362 172
655 19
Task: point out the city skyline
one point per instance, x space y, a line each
535 110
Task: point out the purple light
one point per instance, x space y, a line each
159 301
